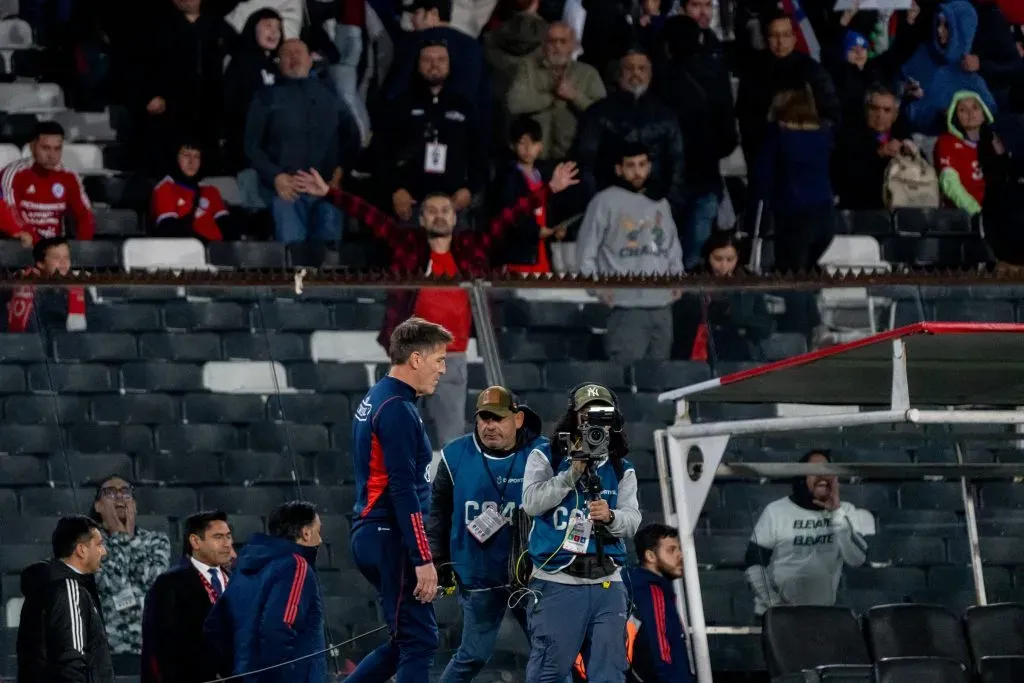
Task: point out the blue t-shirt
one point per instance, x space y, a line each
479 482
550 529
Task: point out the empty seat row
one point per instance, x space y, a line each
905 221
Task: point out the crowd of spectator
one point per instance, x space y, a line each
475 103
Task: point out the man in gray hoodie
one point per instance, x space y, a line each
625 232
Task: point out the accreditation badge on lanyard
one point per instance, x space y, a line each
578 539
490 521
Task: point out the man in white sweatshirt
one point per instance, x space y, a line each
628 232
800 544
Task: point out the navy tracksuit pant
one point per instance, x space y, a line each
381 557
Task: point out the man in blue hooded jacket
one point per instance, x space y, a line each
271 613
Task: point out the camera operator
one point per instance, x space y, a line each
583 498
476 526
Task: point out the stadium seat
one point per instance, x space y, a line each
346 347
169 377
897 580
518 312
563 376
21 348
246 254
249 467
25 97
8 153
134 409
206 316
124 317
229 192
79 157
50 501
190 347
266 346
917 669
245 377
332 377
931 496
93 438
86 126
309 408
288 438
358 316
782 345
172 469
225 408
799 638
191 438
14 558
93 346
168 502
518 377
23 470
924 252
15 34
907 551
721 551
908 630
52 409
13 255
975 311
290 316
94 254
180 253
89 469
865 222
242 500
123 223
996 636
912 221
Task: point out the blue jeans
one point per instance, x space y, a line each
306 219
380 556
344 75
563 618
699 217
482 613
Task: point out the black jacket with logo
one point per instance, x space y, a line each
61 637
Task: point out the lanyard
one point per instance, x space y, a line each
494 482
210 593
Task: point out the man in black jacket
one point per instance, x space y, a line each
179 601
430 139
632 115
61 637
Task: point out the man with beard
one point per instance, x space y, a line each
800 543
430 140
473 530
632 115
555 90
438 251
626 232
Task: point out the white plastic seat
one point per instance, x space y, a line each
228 188
86 126
858 254
246 377
8 154
27 98
15 34
180 253
360 347
81 157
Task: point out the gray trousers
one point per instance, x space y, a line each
447 407
638 333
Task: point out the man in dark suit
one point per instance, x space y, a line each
177 604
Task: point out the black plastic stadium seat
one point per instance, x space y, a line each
721 551
799 638
67 378
918 669
867 222
358 316
246 254
541 314
244 526
667 375
518 377
277 346
243 500
953 579
29 439
170 502
21 348
285 438
325 376
28 530
995 631
290 316
93 438
563 376
1001 669
124 317
172 377
190 438
117 222
522 345
203 317
975 311
782 345
333 467
88 346
171 468
14 558
931 495
908 630
907 551
13 255
224 408
248 467
931 222
180 347
1002 495
95 254
48 501
12 379
900 580
8 504
23 470
924 252
17 128
309 408
332 500
134 409
89 469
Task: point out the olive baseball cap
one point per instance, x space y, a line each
591 393
497 401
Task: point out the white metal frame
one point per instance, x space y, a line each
685 485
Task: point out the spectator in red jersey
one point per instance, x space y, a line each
439 251
181 207
32 310
41 192
956 152
526 250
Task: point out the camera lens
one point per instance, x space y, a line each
596 436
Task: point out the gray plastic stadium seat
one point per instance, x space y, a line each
326 376
169 502
224 408
48 501
89 469
93 438
284 438
172 468
563 376
23 470
71 378
190 438
278 346
909 630
249 467
309 408
913 551
180 347
124 317
134 409
717 412
290 316
915 669
736 653
170 377
246 254
89 346
242 500
244 526
333 467
205 317
29 439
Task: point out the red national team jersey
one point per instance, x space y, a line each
171 200
41 198
962 157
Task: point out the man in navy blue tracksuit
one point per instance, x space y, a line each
659 647
392 455
271 613
580 597
473 521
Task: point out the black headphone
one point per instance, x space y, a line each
571 407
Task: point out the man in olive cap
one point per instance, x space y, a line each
474 525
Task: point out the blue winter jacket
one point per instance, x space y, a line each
270 613
937 69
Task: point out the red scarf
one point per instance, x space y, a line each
699 351
22 303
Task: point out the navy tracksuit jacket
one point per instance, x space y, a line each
659 652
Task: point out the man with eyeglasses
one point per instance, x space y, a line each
135 558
